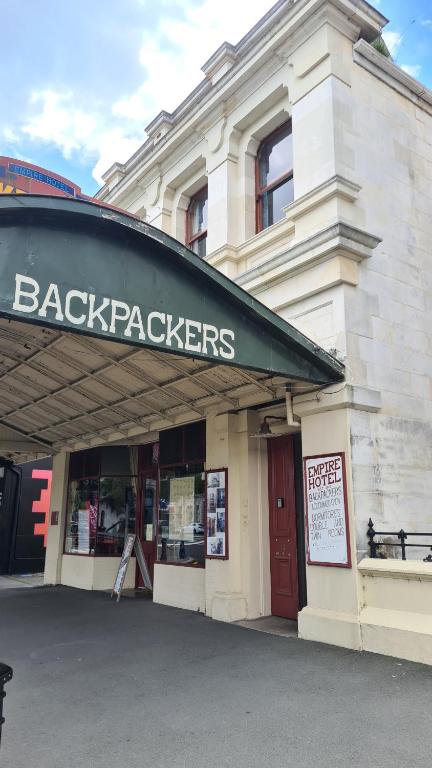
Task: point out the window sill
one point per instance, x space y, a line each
181 565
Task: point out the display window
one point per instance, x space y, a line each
181 529
101 509
181 519
156 491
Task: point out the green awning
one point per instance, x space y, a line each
86 268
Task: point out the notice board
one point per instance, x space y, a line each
217 514
327 522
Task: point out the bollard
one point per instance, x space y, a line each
5 675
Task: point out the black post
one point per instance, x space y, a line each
370 534
402 536
5 675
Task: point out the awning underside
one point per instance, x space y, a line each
60 389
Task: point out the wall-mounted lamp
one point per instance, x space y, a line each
264 428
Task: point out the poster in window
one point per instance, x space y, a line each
327 510
182 508
217 514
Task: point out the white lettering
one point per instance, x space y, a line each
96 312
191 327
210 335
68 314
155 316
229 352
115 315
138 323
52 299
19 292
173 331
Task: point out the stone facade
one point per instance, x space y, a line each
348 265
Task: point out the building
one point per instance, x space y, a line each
298 173
18 177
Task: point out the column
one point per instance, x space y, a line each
57 519
239 587
333 599
223 195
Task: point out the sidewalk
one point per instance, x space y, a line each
18 581
100 685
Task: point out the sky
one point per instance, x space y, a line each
80 80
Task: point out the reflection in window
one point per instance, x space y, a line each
117 504
81 517
99 513
275 186
197 223
181 533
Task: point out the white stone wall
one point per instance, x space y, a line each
363 158
389 313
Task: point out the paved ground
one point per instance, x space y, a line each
20 581
98 684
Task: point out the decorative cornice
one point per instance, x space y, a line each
283 20
337 186
331 399
220 62
355 244
160 125
380 66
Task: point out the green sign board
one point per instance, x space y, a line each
81 267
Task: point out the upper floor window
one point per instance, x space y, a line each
196 224
275 187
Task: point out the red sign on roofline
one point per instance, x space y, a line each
20 178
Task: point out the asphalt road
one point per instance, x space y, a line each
102 685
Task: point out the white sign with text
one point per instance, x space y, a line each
326 510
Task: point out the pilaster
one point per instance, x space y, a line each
239 587
333 609
57 519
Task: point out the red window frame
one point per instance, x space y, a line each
283 130
202 194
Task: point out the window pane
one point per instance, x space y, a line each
116 517
198 215
149 508
115 460
171 446
273 203
81 517
181 516
195 442
275 158
199 246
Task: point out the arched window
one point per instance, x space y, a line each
274 176
196 223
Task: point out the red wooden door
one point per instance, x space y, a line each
147 520
283 537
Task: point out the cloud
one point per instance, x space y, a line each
172 56
60 122
393 41
426 23
169 59
411 69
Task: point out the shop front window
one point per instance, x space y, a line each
101 509
81 517
181 532
181 522
116 517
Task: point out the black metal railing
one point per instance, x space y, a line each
402 543
5 675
